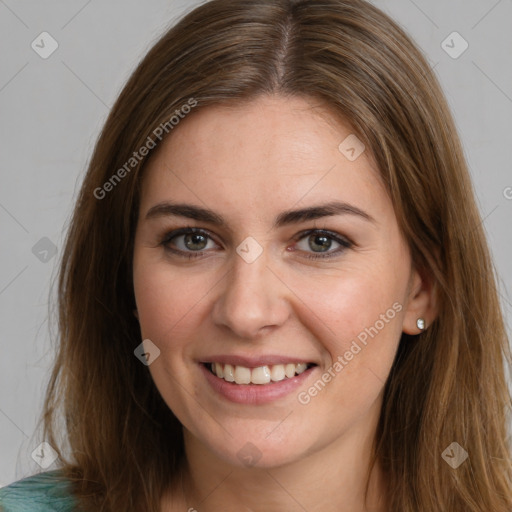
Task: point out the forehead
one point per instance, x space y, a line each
269 153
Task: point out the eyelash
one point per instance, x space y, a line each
344 242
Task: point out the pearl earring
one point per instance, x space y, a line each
420 323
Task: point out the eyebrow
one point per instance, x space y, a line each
285 218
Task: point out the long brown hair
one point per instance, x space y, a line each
446 385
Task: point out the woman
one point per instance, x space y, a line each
276 292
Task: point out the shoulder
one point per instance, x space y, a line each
44 492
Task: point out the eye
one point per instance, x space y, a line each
192 242
188 241
321 241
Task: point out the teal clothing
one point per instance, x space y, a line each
44 492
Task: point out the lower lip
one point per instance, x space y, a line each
255 393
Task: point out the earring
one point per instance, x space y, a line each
421 324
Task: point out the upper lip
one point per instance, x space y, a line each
254 361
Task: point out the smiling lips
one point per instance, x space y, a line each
255 380
259 375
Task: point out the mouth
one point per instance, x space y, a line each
260 375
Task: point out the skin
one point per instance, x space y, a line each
249 163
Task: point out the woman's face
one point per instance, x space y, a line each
261 288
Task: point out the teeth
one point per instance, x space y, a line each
242 375
301 367
277 373
228 373
259 375
289 370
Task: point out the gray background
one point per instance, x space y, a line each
52 110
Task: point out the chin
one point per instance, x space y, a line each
258 451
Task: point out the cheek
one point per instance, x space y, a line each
357 317
166 300
167 305
341 306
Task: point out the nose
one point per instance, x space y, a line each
252 298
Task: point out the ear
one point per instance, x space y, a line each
422 302
136 314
